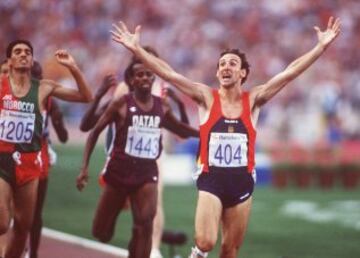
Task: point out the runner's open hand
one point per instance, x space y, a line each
332 31
122 35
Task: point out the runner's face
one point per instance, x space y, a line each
21 57
143 78
229 71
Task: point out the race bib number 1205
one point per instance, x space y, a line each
16 127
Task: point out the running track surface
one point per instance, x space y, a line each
55 244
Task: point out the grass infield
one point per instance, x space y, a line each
284 224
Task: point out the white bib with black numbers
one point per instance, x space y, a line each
16 126
143 142
228 150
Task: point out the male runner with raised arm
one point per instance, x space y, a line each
22 102
228 117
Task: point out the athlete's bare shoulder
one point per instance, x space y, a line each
46 87
46 83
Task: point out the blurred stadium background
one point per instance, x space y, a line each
313 126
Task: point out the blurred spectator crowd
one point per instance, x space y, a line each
321 106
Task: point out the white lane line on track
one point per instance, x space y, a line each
83 242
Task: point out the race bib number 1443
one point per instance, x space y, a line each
228 150
143 142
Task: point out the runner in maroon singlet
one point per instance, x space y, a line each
93 114
132 170
228 118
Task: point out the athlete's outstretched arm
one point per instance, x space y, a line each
265 92
171 123
83 94
177 127
197 91
94 112
103 121
183 116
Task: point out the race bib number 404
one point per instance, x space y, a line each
143 142
228 150
16 127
